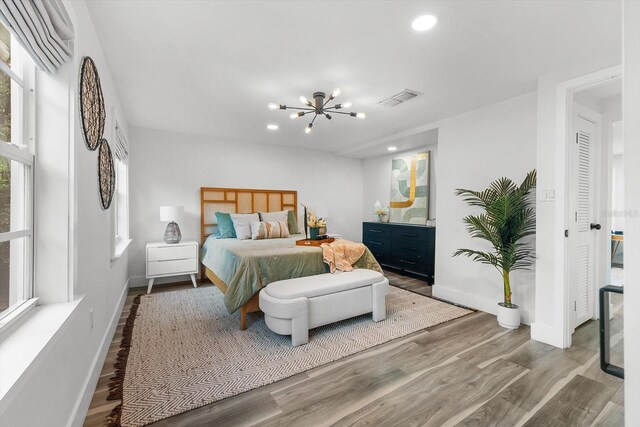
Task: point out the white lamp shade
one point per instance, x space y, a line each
171 213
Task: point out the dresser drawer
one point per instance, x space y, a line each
378 246
410 233
163 253
376 231
176 266
410 262
408 246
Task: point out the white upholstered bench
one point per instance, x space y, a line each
293 306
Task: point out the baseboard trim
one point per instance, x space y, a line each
477 302
474 301
84 400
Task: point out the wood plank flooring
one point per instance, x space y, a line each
411 284
467 372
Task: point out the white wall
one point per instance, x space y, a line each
473 150
169 169
58 388
631 90
377 180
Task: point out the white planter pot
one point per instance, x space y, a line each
508 317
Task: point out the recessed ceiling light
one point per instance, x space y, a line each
272 127
424 22
392 148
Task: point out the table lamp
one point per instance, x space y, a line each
172 232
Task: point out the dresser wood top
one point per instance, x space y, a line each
399 224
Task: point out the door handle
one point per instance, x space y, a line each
595 226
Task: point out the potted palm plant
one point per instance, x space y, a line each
508 218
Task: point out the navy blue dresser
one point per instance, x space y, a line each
406 247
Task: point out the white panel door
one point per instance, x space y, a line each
582 215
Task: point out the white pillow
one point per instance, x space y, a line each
274 216
242 224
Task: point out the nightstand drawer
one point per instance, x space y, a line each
176 266
172 252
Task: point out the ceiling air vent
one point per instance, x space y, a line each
399 98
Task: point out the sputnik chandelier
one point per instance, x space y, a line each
318 108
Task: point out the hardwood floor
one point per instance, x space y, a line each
467 372
411 284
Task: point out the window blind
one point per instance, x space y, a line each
121 147
43 28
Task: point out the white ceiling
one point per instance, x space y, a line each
211 67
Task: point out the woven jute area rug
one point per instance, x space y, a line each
182 350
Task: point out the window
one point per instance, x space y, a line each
121 196
16 181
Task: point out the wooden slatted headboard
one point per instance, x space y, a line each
241 200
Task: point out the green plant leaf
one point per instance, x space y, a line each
507 219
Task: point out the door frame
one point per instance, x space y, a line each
564 114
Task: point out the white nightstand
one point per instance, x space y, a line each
164 260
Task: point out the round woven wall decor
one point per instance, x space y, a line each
106 174
92 109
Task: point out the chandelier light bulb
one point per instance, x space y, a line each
294 115
346 104
336 92
361 116
304 99
273 106
308 128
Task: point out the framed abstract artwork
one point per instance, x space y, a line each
409 201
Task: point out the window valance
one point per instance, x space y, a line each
43 28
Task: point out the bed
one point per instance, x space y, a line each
240 268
